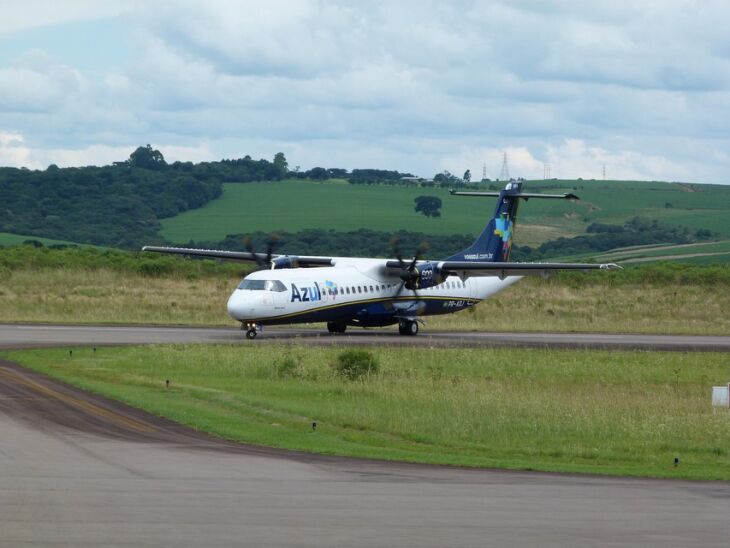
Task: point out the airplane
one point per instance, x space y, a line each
371 292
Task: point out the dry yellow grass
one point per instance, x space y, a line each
105 296
538 305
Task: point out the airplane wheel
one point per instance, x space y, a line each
408 327
336 327
413 328
251 334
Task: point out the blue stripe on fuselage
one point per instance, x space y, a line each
382 308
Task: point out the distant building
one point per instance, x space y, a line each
416 180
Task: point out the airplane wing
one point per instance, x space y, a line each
465 269
262 259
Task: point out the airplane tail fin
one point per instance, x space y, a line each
495 242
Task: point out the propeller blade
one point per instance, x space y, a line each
273 239
395 245
248 244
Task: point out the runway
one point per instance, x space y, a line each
79 470
13 336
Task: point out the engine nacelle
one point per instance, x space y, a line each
285 261
424 275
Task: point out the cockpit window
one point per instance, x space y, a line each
262 285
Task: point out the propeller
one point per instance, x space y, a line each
409 274
271 243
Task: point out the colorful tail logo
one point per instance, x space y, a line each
503 229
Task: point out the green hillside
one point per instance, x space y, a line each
338 205
7 239
294 205
697 253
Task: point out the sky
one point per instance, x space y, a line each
640 87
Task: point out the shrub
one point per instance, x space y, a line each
287 367
356 364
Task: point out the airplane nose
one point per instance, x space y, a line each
237 306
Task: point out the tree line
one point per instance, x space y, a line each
119 205
374 243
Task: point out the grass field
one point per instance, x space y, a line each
299 204
628 413
295 205
7 239
108 296
701 252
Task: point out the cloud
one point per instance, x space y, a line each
570 159
31 14
416 86
37 83
13 151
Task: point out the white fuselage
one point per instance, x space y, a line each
360 291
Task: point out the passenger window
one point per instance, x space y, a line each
348 290
359 289
371 288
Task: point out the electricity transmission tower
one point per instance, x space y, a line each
504 173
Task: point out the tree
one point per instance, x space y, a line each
337 173
147 158
445 179
281 165
318 173
430 206
467 176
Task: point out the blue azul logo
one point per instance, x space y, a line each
306 294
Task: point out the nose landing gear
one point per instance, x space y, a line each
251 330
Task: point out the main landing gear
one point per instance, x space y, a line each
408 327
336 327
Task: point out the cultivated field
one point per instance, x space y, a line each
338 205
571 304
628 413
711 252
